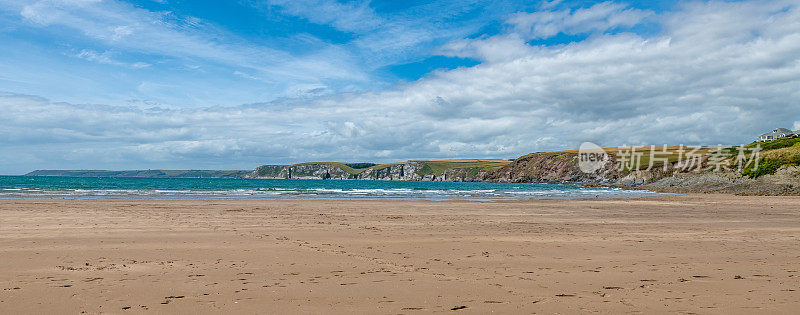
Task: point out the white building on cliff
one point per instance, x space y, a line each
777 134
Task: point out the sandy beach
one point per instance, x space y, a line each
705 254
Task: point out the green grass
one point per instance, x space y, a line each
357 166
382 166
472 166
772 160
776 144
546 153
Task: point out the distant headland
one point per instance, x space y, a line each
770 167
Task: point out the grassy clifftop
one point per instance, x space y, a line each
776 154
438 167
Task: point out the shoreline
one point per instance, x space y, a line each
783 184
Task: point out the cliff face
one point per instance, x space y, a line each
394 172
465 175
407 171
554 167
317 171
300 171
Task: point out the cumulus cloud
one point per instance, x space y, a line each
718 73
599 17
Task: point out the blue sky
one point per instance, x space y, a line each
234 84
202 53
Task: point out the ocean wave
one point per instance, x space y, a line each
110 188
318 192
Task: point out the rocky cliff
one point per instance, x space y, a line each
554 167
457 170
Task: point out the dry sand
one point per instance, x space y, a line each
684 254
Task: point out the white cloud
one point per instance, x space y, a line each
140 65
106 58
50 12
355 16
245 75
599 17
493 49
549 4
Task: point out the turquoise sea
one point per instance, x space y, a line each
219 188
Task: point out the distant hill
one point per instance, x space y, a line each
143 173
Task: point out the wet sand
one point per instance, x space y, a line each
706 254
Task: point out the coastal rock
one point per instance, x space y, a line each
556 167
318 171
393 172
786 181
411 171
300 171
270 172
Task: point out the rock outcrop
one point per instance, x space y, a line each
556 167
300 171
406 171
786 181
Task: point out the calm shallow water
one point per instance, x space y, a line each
219 188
